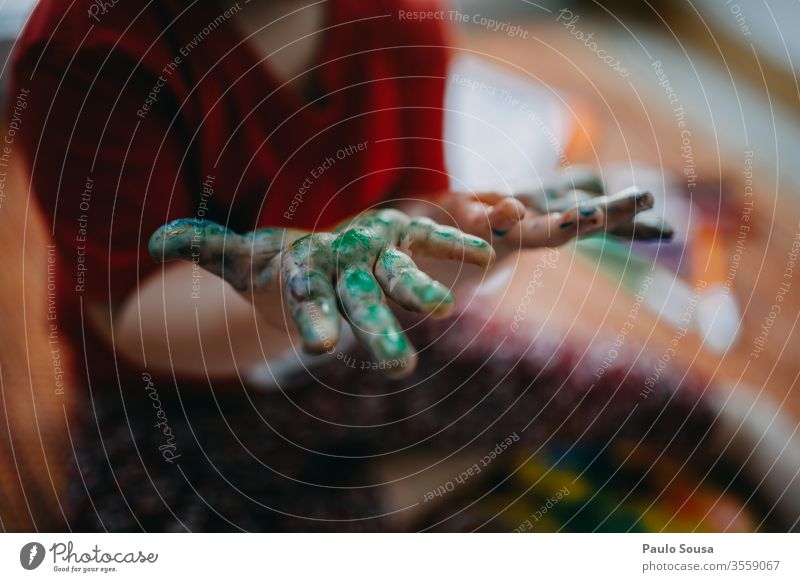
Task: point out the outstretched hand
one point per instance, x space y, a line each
350 272
574 204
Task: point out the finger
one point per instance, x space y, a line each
487 212
645 227
597 215
312 303
373 322
239 259
410 287
623 206
504 215
309 294
179 239
556 228
386 223
620 208
443 242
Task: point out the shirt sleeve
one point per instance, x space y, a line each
105 162
423 59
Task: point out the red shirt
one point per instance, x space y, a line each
137 116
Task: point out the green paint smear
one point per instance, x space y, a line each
431 294
360 282
446 234
354 237
617 259
477 243
391 345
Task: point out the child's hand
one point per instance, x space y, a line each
573 205
348 271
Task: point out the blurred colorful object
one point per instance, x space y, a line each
622 488
502 130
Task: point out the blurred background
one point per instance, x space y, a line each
699 100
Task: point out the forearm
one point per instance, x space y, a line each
191 322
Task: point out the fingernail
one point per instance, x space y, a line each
644 200
499 232
588 211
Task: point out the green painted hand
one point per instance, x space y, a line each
350 272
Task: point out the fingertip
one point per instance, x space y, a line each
178 239
667 232
645 227
472 249
651 200
482 257
319 332
443 308
323 341
513 207
319 347
488 257
642 199
505 214
155 246
406 367
168 241
429 298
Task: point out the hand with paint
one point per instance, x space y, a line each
350 272
572 205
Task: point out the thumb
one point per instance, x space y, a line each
206 244
219 250
187 239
